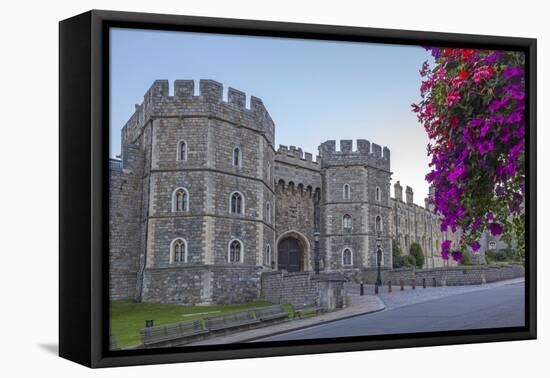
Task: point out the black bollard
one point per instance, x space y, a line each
424 283
361 289
414 283
389 286
434 283
401 285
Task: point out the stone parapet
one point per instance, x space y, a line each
209 102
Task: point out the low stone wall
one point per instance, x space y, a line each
444 276
220 284
327 290
295 288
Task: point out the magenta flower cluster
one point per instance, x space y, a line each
473 109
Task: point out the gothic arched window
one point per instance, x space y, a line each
346 222
235 253
346 192
182 150
236 203
178 251
347 257
180 200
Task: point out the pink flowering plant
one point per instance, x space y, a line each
473 109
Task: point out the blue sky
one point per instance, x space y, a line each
313 90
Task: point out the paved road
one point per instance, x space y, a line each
501 306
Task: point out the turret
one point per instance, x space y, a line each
398 191
409 194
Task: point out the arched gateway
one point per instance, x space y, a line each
292 252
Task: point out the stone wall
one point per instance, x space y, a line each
444 276
294 288
201 284
125 229
326 290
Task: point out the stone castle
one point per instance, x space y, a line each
202 203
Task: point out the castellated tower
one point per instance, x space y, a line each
207 193
355 207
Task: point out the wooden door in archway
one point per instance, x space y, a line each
290 255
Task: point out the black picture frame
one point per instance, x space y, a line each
83 181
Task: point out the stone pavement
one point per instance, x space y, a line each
409 296
358 305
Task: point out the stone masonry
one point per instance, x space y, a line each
202 203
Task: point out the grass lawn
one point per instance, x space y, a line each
128 318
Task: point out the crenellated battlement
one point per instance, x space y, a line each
157 102
366 153
295 156
297 152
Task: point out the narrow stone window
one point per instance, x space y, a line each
268 255
236 205
180 200
346 192
347 257
237 157
378 224
182 151
346 221
235 251
268 212
378 194
268 173
178 251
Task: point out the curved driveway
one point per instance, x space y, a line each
501 306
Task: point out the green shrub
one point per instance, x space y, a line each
416 251
504 254
400 261
408 261
466 259
396 255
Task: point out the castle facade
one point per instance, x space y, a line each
202 202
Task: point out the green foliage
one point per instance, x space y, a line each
502 255
466 259
396 254
472 109
408 261
416 251
400 261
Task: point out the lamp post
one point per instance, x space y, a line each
378 263
316 258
